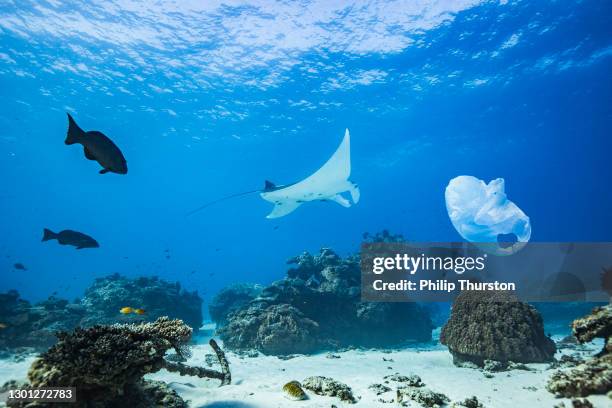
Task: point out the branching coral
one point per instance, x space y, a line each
106 364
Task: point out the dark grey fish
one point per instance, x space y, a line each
69 237
20 266
97 147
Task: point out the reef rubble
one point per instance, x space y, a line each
495 326
593 376
328 386
318 305
421 395
106 365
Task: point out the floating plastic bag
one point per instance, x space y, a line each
482 214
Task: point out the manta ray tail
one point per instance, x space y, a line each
200 208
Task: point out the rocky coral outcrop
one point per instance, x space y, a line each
592 376
277 330
411 380
329 387
598 324
34 326
471 402
325 289
379 389
486 325
157 297
106 364
423 396
231 299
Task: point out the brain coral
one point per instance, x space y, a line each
488 325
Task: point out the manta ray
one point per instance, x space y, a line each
328 183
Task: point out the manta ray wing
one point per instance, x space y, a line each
325 184
283 208
337 168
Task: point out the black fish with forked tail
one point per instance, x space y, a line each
69 237
97 146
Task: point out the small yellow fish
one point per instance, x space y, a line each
3 326
139 311
126 310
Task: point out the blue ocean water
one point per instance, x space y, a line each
207 100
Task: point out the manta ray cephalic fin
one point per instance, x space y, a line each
341 200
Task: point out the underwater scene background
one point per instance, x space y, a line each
211 99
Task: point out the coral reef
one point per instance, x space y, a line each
328 386
596 325
322 294
106 364
277 330
593 376
34 326
486 325
157 297
231 299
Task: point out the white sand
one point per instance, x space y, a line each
257 381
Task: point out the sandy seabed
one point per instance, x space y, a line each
257 381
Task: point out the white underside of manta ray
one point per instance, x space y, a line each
326 184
